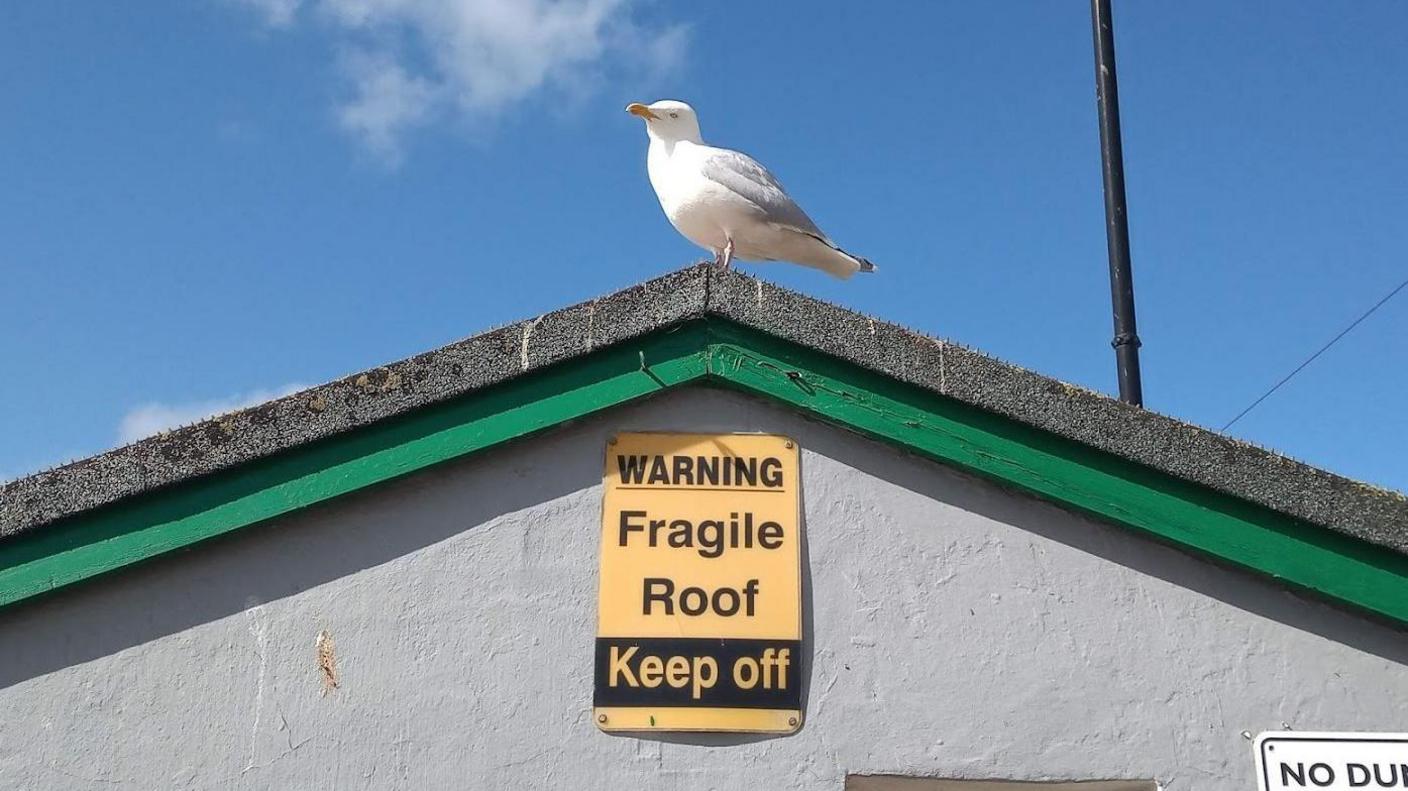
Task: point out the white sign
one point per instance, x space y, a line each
1331 761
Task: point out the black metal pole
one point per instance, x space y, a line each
1107 93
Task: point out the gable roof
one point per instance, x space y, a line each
701 324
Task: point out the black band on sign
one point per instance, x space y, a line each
693 672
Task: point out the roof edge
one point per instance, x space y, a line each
720 352
1179 449
225 441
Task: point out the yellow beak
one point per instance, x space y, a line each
636 108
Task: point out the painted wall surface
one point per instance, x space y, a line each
954 629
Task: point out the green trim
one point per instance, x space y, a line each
1297 553
96 542
1194 517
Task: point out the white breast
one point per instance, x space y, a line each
703 211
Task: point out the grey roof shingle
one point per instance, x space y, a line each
1370 513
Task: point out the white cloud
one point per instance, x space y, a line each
153 418
408 62
388 101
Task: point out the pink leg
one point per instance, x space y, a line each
727 258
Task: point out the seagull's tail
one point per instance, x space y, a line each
809 249
849 264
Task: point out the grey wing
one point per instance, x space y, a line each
743 175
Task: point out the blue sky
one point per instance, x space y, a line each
212 201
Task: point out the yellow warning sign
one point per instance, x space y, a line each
699 618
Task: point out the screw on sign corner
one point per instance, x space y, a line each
792 721
601 718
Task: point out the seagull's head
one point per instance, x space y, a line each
668 120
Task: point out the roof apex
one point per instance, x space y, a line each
1193 454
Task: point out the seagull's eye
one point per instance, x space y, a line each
674 115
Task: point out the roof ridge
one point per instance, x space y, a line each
953 370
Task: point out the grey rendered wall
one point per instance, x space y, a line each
955 630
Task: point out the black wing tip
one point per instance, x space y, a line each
863 263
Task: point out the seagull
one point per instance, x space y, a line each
726 202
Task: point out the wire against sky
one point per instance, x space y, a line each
1312 357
